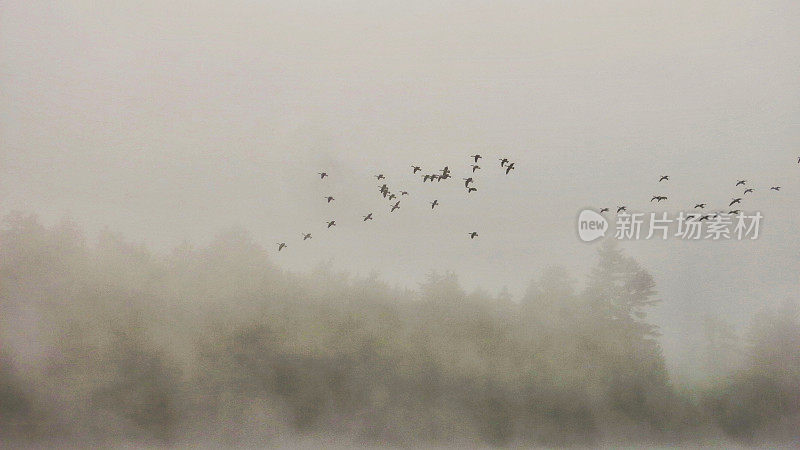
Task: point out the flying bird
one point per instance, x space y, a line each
621 208
332 223
603 210
775 188
322 175
330 199
395 206
467 181
476 157
306 236
368 217
736 200
471 190
664 178
509 168
392 196
735 211
741 182
700 205
416 169
403 192
426 178
658 197
380 176
475 167
281 246
503 162
748 190
473 235
434 204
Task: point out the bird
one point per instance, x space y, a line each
322 175
306 236
330 199
664 178
503 162
735 211
332 223
700 205
392 196
403 192
434 203
444 176
395 206
509 168
471 190
748 190
475 167
416 169
705 217
467 181
476 157
775 188
621 208
368 217
380 176
603 210
473 235
426 178
736 200
658 197
741 182
281 246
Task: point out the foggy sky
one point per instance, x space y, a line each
175 120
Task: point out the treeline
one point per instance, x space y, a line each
108 343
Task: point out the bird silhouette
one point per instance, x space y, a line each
392 196
748 190
503 162
476 157
736 200
475 167
467 181
434 204
603 210
380 176
473 235
705 217
281 246
395 206
658 198
775 188
735 212
330 199
368 217
700 205
403 192
509 168
664 178
741 182
306 236
416 169
332 223
471 190
426 178
322 175
621 208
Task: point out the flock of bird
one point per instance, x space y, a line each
736 200
507 166
394 197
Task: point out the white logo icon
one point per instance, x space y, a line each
591 225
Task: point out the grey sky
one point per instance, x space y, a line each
173 120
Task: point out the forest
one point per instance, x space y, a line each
105 342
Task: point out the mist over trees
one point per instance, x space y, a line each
105 342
